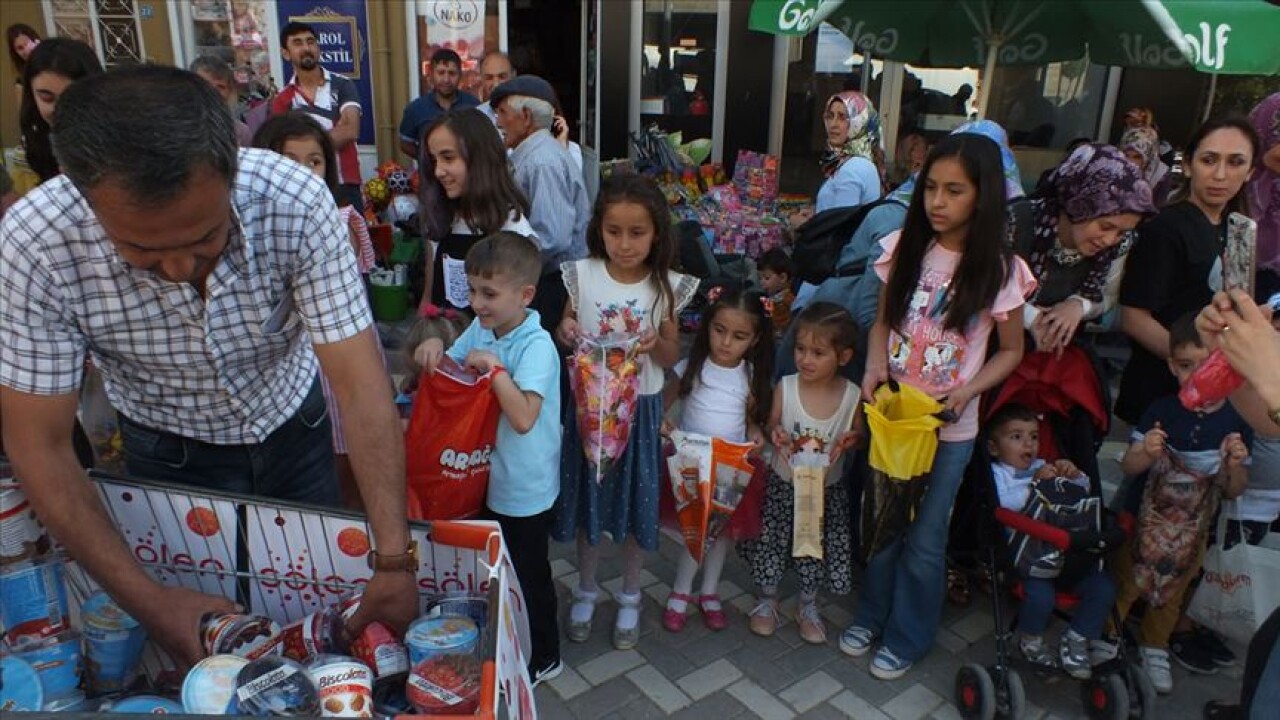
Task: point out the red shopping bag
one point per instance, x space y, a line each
448 444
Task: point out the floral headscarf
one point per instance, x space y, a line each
991 129
864 133
1096 181
1146 142
1264 188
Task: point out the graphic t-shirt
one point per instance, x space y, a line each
605 306
925 354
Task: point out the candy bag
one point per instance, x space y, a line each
605 378
1213 381
709 477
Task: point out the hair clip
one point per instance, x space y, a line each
767 303
431 311
714 293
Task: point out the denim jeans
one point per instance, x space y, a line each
1096 593
294 463
903 586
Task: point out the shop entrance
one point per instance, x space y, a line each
544 38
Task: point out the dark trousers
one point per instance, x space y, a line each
294 463
527 540
350 194
549 300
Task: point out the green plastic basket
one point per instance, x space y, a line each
390 302
405 250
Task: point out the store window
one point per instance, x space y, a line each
678 67
110 27
239 32
468 27
1048 106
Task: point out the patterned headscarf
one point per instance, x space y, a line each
1140 117
1146 142
864 133
1264 188
991 129
1096 181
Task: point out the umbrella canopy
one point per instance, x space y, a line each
1217 36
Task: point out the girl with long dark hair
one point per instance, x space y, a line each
51 67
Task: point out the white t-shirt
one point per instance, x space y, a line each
454 274
717 404
605 306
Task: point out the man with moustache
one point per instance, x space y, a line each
446 72
330 99
495 69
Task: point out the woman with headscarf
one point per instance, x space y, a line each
1082 214
1141 145
853 163
1264 187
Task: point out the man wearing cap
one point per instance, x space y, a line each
544 170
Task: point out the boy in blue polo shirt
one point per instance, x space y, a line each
507 339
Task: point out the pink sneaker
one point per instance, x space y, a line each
672 619
712 612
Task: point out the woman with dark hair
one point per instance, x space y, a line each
466 192
22 40
51 67
1179 253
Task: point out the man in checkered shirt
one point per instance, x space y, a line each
208 286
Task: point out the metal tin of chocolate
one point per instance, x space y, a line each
446 635
275 686
210 686
33 600
145 705
345 685
20 688
249 636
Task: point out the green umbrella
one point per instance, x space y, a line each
1216 36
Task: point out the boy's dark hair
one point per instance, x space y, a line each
777 261
830 321
445 55
1183 333
506 253
1010 413
295 28
280 129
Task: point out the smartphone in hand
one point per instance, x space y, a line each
1240 257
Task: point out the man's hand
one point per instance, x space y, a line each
391 598
173 620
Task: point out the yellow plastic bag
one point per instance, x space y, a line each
904 431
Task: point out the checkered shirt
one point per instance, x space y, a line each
228 369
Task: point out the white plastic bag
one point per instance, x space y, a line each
1240 586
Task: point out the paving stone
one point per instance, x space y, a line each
974 626
569 684
949 712
807 658
727 589
664 655
570 582
837 617
810 692
720 706
712 678
661 691
561 567
823 712
610 665
658 592
951 641
759 702
855 707
640 709
549 704
603 700
914 703
715 644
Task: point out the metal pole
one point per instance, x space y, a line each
1213 90
988 75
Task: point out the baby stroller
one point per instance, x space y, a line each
1118 689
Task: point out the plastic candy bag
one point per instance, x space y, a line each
605 378
709 478
448 444
1213 381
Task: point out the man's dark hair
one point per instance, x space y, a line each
445 55
506 253
147 128
295 28
1183 333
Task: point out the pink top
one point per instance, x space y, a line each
924 354
365 258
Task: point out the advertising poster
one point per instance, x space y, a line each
342 29
458 25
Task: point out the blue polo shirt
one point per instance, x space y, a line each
422 112
524 471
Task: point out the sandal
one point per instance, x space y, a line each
712 612
625 636
581 612
672 619
958 588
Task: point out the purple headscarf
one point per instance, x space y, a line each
1264 188
1096 181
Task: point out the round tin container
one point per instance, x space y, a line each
33 600
376 646
446 685
249 636
315 634
345 685
57 660
210 686
71 703
274 686
113 643
22 537
447 635
464 604
20 689
145 705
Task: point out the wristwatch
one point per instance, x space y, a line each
406 561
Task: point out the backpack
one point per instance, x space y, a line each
818 242
1062 504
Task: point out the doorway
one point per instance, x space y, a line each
544 38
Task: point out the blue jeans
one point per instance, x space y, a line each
903 586
294 463
1096 593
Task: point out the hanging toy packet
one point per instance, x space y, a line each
604 375
709 477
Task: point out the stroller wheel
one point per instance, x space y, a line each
975 693
1011 696
1142 694
1105 697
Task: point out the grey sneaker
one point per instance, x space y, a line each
1156 662
1036 652
1073 653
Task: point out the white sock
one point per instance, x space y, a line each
712 567
628 610
583 606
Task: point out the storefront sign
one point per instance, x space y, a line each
342 30
457 25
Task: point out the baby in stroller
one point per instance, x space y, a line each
1056 494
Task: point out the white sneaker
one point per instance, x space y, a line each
1101 651
1156 662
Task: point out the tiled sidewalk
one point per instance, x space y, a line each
734 674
